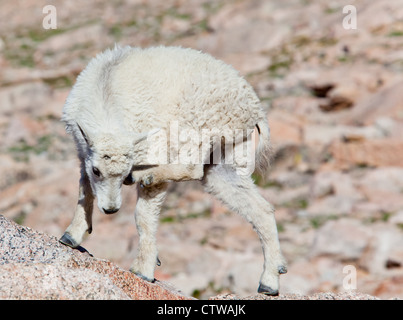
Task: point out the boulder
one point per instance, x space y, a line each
344 239
376 152
35 265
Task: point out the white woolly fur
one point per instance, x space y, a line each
115 103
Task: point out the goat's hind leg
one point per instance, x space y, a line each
147 212
164 173
82 220
241 195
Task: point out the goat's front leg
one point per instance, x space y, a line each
147 212
82 220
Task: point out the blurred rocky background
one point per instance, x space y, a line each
334 99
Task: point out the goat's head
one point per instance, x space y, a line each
109 160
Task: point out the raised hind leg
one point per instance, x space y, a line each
155 175
241 195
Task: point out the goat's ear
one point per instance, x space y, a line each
139 137
85 136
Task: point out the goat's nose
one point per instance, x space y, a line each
110 211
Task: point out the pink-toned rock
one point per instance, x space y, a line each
332 193
300 106
54 282
36 266
344 86
397 218
352 295
388 179
24 128
383 251
379 14
244 27
325 134
379 152
12 172
344 239
25 97
386 102
285 129
340 98
61 49
200 241
14 76
247 63
333 205
390 288
332 182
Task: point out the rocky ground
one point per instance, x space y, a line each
335 107
35 266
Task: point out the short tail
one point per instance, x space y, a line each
264 151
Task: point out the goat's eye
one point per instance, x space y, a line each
96 171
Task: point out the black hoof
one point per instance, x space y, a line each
267 290
143 277
149 180
67 240
282 269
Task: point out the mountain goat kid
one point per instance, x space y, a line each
128 101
